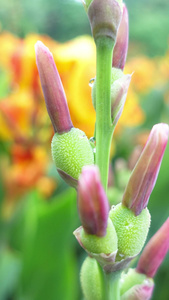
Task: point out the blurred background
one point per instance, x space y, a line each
39 256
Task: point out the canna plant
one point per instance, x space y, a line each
112 237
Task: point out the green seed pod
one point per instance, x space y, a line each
91 278
71 151
106 244
131 230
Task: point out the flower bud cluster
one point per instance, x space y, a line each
115 237
111 237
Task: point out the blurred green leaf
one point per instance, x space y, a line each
10 268
44 236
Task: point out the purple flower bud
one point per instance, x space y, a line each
121 46
52 89
144 175
154 252
104 17
92 202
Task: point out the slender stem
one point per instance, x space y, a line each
104 46
112 284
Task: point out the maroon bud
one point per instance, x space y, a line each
52 89
154 252
104 17
121 46
144 175
92 202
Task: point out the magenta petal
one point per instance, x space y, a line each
144 175
92 202
121 46
154 252
52 89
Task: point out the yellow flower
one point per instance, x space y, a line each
145 73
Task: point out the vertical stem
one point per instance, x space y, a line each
104 46
112 284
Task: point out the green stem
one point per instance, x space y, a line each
112 285
104 46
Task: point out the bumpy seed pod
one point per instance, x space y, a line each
71 151
92 280
106 244
131 230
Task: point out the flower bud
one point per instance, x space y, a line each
104 17
52 89
144 175
92 280
154 252
121 46
93 205
131 230
119 88
71 151
135 286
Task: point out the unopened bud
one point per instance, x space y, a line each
104 17
92 202
121 46
53 91
144 175
154 252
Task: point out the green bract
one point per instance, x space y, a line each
130 279
71 151
95 244
115 75
86 3
92 280
131 230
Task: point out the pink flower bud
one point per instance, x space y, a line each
52 89
92 202
144 175
121 46
154 252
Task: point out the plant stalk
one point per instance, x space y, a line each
112 285
104 129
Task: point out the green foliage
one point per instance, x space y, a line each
41 234
10 268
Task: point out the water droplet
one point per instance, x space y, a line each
92 140
91 82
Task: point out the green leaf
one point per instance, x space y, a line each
10 268
44 237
